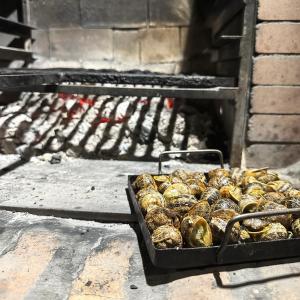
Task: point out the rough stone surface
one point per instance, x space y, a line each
54 13
279 10
127 47
170 12
116 13
274 128
41 43
276 156
85 260
278 38
82 44
74 184
160 45
275 99
277 70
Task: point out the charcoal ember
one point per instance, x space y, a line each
25 151
74 151
177 141
46 109
55 159
8 146
146 130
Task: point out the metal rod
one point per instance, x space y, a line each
74 214
129 77
204 151
245 75
15 28
201 93
10 53
242 217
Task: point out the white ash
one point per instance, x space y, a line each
100 126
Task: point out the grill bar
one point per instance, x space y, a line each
209 93
15 28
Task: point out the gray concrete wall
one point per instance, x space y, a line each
120 34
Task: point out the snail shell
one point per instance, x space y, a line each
219 172
273 231
202 209
248 204
176 189
225 203
296 228
167 236
143 181
159 216
210 195
231 192
150 200
196 231
181 204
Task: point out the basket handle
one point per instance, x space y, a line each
255 215
204 151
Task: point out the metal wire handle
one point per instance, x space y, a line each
204 151
255 215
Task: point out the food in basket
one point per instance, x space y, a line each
181 204
159 216
167 236
192 209
296 228
196 231
273 231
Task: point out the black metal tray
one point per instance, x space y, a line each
224 254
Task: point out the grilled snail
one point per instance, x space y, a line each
196 187
150 200
181 204
270 176
219 182
225 203
296 228
275 197
281 186
199 176
248 204
181 174
176 189
219 172
293 193
273 231
201 209
167 236
196 231
285 220
218 223
210 195
143 181
255 189
159 216
231 192
256 173
163 186
255 224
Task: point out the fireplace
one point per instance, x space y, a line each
111 83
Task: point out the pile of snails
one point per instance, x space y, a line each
192 209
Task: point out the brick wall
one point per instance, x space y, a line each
119 34
274 124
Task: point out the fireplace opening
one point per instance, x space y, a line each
94 79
